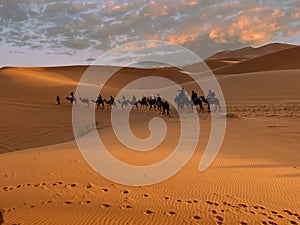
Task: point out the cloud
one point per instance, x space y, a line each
90 59
203 26
255 26
77 44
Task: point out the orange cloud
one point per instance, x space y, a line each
108 4
155 9
118 7
218 35
164 11
140 46
277 13
189 2
111 5
249 27
188 34
296 14
255 36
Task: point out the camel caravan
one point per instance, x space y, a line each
183 100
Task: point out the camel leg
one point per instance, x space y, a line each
201 106
208 105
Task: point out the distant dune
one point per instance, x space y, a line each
287 59
250 52
228 58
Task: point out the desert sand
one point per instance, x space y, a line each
255 178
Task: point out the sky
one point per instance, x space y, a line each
58 32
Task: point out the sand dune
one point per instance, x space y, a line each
250 52
254 179
219 63
224 62
287 59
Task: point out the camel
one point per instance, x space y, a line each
144 103
85 100
164 107
183 101
111 102
99 102
152 103
124 103
72 100
210 101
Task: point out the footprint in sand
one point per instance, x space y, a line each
171 213
243 223
125 192
86 202
293 222
7 210
166 197
88 186
56 183
106 205
258 207
219 218
128 206
288 212
196 217
105 189
5 188
67 202
148 212
210 203
145 195
242 205
214 212
226 203
178 200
